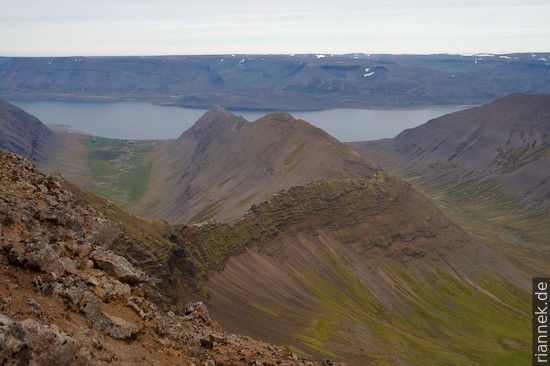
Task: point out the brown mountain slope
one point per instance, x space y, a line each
223 164
24 134
366 271
362 271
67 299
506 141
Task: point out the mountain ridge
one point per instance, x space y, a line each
321 273
68 299
508 139
223 164
337 258
24 134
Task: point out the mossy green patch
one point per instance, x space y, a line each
319 334
292 159
438 319
104 155
120 169
469 322
264 308
136 180
206 213
95 142
102 168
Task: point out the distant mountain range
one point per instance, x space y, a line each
279 82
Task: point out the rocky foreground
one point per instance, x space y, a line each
65 298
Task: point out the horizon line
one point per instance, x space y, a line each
317 54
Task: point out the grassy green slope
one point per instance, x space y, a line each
375 309
371 275
506 207
439 320
368 285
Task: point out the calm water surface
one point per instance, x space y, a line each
143 121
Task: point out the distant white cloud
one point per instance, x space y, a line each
146 27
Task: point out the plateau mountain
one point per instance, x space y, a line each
278 82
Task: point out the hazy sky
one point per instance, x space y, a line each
147 27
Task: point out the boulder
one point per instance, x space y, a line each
37 254
13 348
91 306
117 266
29 342
197 311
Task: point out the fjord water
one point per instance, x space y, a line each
145 121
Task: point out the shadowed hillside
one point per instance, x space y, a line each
508 139
223 164
24 134
489 166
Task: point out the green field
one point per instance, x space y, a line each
120 169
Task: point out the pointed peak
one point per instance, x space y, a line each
280 116
218 110
216 120
284 121
216 114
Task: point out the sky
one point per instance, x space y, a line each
183 27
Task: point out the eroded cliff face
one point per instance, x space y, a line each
67 298
374 213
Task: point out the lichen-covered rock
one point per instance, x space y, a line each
116 327
13 349
197 311
50 346
29 342
145 309
41 256
91 306
117 266
37 254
